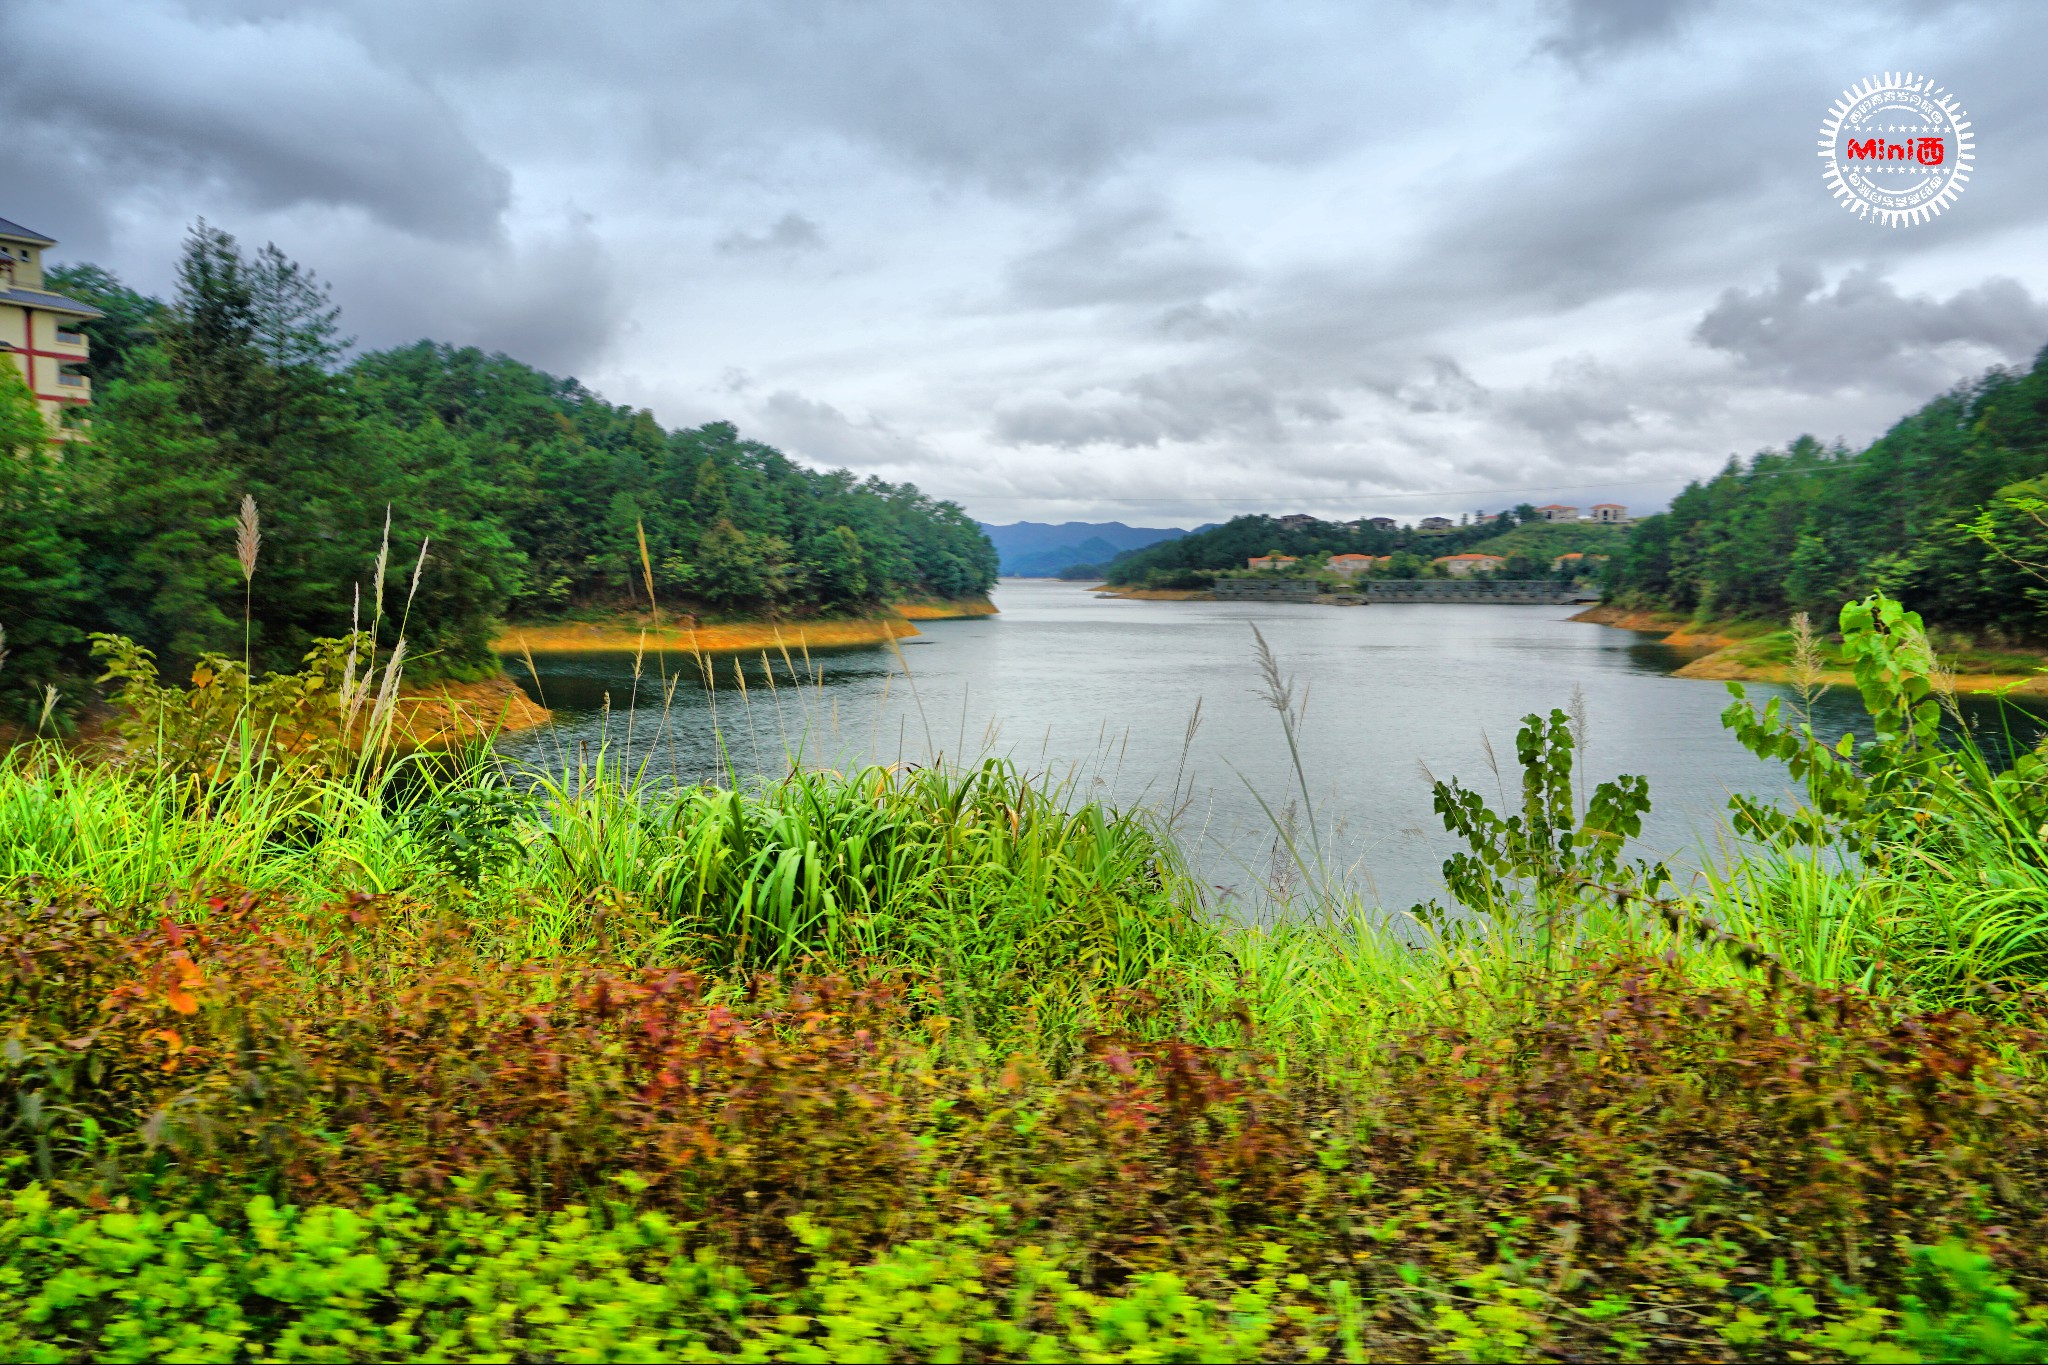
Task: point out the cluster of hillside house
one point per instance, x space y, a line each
1454 566
1600 513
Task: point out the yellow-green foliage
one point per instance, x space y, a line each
436 1063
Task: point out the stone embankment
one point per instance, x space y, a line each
1472 591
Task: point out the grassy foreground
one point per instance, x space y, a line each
441 1063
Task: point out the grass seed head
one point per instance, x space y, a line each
248 537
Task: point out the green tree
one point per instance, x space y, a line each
838 564
130 319
42 582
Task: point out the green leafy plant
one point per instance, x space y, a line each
1552 853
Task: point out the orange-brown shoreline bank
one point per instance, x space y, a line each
627 635
1728 657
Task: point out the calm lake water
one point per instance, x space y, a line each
1101 694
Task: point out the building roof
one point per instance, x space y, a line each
1556 507
1445 559
1611 504
48 302
21 234
1335 558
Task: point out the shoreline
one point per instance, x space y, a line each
1728 657
433 714
1103 590
627 635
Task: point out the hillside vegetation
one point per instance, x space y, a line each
1944 511
1194 559
508 492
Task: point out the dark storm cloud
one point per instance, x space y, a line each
1864 332
1103 248
554 300
1018 98
270 115
792 234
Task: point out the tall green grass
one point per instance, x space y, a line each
1026 900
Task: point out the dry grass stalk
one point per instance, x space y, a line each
350 697
647 572
387 693
377 577
1807 669
3 646
248 537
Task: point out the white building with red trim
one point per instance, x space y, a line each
40 332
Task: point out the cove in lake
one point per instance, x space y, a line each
1099 693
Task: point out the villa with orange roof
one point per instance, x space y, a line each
1465 565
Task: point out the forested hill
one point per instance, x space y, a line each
1944 511
1192 560
530 491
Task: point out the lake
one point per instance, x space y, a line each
1100 693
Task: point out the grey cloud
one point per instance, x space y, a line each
1586 28
1148 244
1128 256
1198 322
791 235
270 114
1174 406
1863 332
552 300
1583 403
825 435
1037 98
1447 389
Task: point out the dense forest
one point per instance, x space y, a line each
1944 511
1521 535
529 492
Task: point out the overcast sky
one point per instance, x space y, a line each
1157 263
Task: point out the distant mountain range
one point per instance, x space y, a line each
1037 549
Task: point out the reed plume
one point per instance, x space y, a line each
1807 671
387 694
350 698
377 578
248 537
248 540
